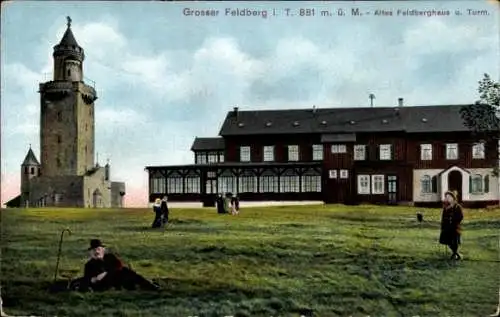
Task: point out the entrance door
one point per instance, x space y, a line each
392 188
455 183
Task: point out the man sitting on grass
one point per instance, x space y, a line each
104 270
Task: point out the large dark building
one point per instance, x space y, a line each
387 155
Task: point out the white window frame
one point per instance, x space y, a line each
426 180
449 148
478 151
317 152
377 179
363 189
332 174
339 148
426 152
268 153
344 174
385 152
477 184
359 152
245 153
293 153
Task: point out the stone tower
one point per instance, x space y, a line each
67 113
30 168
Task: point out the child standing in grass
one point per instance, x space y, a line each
450 223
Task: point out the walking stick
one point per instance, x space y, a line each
59 252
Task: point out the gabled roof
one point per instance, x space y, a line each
444 118
68 38
206 144
30 158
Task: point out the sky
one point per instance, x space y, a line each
164 77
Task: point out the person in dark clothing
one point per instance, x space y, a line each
157 211
105 270
220 204
450 224
164 210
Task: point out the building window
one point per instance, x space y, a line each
359 152
268 153
192 184
174 185
385 152
476 184
227 184
59 116
289 184
293 153
248 184
317 150
426 184
244 154
478 151
58 138
425 152
378 184
452 151
69 72
332 173
339 148
363 184
268 184
32 171
211 174
58 162
201 158
212 157
221 157
26 170
158 185
344 174
311 183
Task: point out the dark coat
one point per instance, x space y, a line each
451 220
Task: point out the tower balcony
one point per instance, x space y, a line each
60 88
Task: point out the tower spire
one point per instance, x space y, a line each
68 18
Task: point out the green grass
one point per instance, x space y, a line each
275 261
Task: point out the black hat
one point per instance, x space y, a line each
95 243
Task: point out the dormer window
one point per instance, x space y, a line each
352 122
241 124
424 120
269 123
296 124
385 121
323 122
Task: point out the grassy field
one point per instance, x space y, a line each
274 261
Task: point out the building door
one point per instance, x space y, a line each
392 188
455 183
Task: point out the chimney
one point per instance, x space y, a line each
314 109
371 96
235 112
400 102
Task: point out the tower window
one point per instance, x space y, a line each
58 162
25 170
69 72
32 171
59 116
58 139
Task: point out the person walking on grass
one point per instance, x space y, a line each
157 211
451 219
164 211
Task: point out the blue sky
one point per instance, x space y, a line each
164 78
